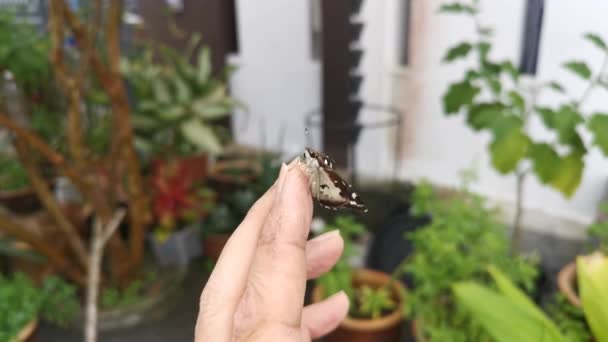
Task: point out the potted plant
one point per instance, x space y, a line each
567 276
179 205
243 178
462 236
22 304
376 298
179 107
496 98
519 319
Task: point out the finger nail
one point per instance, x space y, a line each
328 235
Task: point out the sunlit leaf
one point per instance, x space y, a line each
202 136
508 149
569 174
502 318
592 277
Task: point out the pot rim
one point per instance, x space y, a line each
26 331
363 324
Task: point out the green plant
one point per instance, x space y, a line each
569 319
23 51
592 275
463 236
366 302
112 297
177 197
232 206
12 173
21 302
599 229
496 100
178 105
506 314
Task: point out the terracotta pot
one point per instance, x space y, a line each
27 334
566 282
22 201
213 244
386 329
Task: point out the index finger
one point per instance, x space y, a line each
278 272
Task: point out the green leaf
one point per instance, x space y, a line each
544 160
504 319
495 85
505 124
202 136
459 51
579 68
596 40
161 91
457 7
172 113
598 125
483 48
203 69
592 274
564 122
484 115
183 93
510 69
459 95
556 86
472 75
517 100
509 290
548 115
211 110
508 149
569 173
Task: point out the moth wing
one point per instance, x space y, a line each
331 192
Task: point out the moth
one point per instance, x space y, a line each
326 186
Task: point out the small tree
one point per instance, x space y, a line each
494 99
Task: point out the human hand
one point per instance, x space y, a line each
256 290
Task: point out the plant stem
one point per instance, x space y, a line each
517 220
592 83
101 235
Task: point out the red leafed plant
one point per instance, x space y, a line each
178 196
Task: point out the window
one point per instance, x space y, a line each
403 34
531 36
315 29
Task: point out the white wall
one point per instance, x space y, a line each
280 83
276 78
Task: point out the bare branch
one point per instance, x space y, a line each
12 228
51 205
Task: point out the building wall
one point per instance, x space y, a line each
279 82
